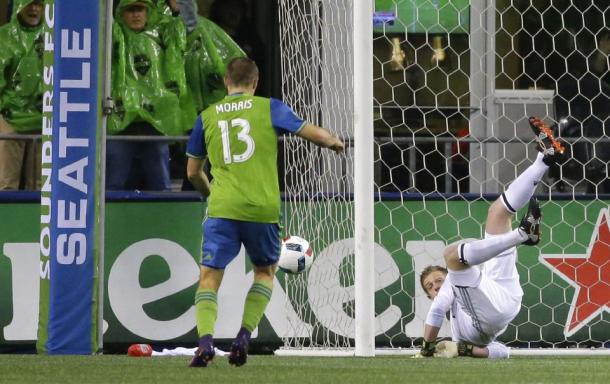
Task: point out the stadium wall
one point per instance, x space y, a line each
152 247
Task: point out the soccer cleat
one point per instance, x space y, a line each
553 150
239 348
204 354
530 223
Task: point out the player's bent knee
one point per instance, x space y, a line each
494 207
267 272
448 253
452 259
498 219
210 278
498 208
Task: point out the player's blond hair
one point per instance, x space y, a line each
241 71
428 270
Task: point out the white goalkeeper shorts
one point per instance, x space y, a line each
488 298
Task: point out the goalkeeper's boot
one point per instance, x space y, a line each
239 348
205 353
530 223
554 150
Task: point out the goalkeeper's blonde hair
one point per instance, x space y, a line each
428 270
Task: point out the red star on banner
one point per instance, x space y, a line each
589 274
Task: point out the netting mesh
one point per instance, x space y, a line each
454 84
316 56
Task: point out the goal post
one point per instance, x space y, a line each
443 132
363 180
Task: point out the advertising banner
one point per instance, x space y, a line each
153 249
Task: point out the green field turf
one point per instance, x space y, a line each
272 369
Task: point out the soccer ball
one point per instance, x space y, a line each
296 255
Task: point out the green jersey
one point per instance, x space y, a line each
239 137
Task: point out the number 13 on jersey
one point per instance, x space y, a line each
243 136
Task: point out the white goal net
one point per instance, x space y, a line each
317 82
454 84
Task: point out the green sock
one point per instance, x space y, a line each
256 302
206 309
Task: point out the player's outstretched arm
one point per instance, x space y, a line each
428 346
431 332
434 320
321 137
195 174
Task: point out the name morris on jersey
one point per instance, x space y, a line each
232 107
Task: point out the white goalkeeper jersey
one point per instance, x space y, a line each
478 315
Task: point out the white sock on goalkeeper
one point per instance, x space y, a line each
497 350
522 188
479 251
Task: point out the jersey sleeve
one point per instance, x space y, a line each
440 306
196 145
284 119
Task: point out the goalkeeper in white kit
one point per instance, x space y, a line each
480 288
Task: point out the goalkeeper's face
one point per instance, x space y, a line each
433 283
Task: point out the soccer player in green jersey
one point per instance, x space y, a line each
238 136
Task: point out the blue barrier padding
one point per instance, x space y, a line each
140 196
19 197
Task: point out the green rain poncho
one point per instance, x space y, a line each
20 73
148 79
209 50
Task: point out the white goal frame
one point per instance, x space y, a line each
483 124
364 227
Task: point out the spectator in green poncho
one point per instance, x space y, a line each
21 95
209 50
149 91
